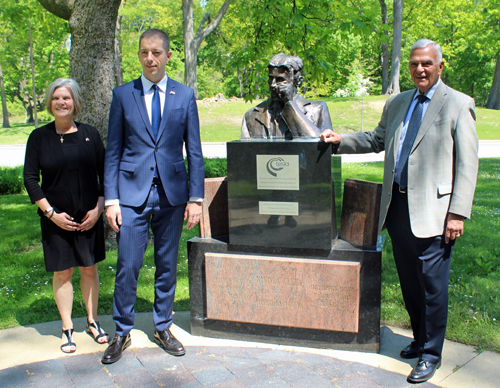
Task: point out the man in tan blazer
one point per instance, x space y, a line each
430 170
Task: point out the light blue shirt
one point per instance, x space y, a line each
425 105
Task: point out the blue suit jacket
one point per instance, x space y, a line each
132 152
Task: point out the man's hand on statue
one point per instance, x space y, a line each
328 136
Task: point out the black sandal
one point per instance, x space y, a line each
99 330
68 333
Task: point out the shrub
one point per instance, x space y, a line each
216 167
11 180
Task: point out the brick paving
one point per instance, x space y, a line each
216 367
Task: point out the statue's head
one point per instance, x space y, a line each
285 75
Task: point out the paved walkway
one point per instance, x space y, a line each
13 155
30 357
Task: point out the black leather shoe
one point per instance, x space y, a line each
411 351
423 371
167 341
115 349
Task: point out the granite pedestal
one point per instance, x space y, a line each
277 272
311 309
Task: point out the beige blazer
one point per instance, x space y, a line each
443 164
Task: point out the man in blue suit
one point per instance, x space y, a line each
146 181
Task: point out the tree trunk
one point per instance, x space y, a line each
494 97
5 112
396 47
29 113
190 49
192 43
257 87
240 82
385 48
92 25
118 50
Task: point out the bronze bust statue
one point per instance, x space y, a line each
285 114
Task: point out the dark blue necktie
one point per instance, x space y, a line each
411 134
155 111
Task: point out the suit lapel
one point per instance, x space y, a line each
263 115
400 120
434 108
138 94
301 103
167 107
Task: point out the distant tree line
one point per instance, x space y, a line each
223 46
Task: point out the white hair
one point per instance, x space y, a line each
73 88
423 43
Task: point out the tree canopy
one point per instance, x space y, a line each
340 42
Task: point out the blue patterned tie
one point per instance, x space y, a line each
411 134
155 111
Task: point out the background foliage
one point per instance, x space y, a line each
340 43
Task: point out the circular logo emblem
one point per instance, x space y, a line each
274 165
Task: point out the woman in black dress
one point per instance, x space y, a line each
69 156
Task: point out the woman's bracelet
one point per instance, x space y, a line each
48 211
51 214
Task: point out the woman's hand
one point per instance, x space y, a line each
64 221
89 220
92 216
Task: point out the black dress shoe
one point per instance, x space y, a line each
411 351
115 349
167 341
423 371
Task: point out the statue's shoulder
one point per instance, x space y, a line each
258 109
302 101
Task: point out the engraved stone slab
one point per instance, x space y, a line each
314 294
360 212
214 221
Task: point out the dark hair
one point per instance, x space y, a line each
153 32
292 63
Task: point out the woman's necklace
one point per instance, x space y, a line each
61 135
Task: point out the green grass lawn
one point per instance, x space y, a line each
17 133
474 306
221 121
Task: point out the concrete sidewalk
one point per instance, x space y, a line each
30 357
13 155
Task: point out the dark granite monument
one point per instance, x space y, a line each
283 193
269 265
